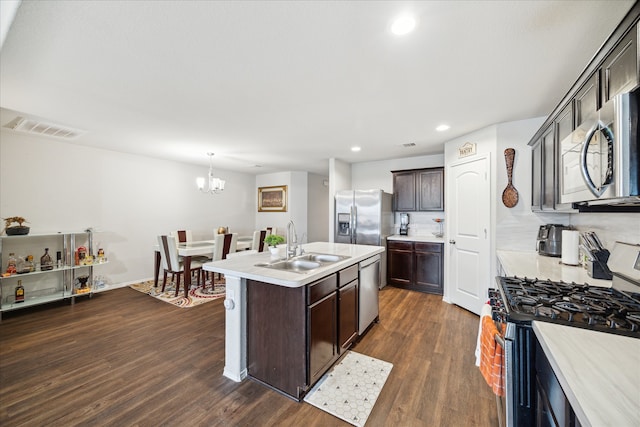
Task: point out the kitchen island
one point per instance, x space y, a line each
244 276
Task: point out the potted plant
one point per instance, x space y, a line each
15 230
272 240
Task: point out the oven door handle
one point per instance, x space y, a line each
597 127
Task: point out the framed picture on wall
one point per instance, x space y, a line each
272 199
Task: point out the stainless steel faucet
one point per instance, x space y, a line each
291 240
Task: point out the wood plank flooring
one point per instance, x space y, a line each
123 358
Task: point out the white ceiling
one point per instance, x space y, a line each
290 84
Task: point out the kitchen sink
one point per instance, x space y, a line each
303 263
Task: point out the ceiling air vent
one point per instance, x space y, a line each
36 127
409 144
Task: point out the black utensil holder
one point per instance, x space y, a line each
598 268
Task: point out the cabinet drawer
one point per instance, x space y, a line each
321 288
402 246
347 275
428 247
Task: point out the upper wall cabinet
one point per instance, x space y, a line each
419 190
614 69
619 72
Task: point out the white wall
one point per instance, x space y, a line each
517 228
297 194
373 175
339 179
318 208
58 186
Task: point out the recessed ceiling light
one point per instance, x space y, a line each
442 128
355 149
403 25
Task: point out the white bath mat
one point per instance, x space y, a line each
350 388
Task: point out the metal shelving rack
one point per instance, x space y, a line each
42 287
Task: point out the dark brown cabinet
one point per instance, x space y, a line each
294 335
552 407
404 191
416 266
418 190
322 334
619 72
347 307
545 173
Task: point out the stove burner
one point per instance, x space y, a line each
574 304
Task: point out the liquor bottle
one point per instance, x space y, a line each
30 264
12 264
46 263
19 292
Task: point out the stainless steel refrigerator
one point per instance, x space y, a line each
364 217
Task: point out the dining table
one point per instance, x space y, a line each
190 249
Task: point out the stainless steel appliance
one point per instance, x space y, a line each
369 282
364 217
404 224
518 301
600 160
549 241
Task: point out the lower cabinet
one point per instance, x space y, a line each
322 313
294 335
416 266
552 407
347 307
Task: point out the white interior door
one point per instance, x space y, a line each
468 216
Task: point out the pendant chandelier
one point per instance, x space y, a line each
216 185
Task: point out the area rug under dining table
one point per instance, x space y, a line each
196 295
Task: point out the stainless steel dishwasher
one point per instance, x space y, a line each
369 272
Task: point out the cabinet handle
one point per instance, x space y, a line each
453 242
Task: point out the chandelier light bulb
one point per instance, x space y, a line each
216 185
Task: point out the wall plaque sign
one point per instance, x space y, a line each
468 149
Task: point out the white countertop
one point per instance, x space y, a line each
599 372
530 264
420 238
244 266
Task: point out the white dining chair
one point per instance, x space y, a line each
258 240
185 236
224 245
171 263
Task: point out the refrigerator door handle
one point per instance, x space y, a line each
354 220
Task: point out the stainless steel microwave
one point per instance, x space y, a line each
599 160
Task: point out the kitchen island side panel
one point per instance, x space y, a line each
276 340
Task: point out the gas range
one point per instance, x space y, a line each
521 300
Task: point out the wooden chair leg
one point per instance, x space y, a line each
164 280
178 284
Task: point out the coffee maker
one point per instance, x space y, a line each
404 224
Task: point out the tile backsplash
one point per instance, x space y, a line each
420 223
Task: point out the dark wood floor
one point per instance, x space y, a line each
123 358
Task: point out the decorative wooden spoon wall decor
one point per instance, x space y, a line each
510 194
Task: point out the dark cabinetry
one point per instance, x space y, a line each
347 307
415 265
619 72
552 407
418 190
294 335
613 70
322 320
545 190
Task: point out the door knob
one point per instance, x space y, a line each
453 242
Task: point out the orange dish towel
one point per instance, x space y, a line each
491 356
